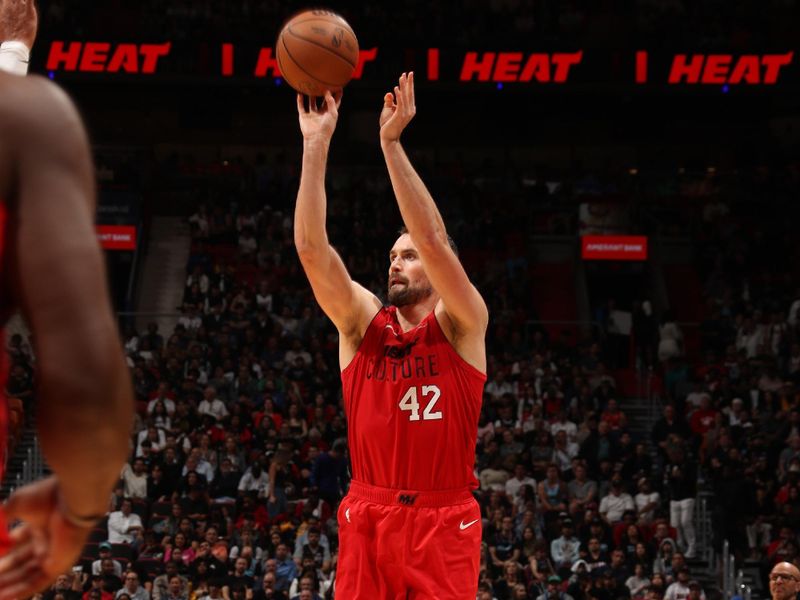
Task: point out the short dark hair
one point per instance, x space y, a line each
403 230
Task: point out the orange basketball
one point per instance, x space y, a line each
317 51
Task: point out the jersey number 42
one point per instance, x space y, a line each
410 402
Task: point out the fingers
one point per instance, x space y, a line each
337 96
331 103
404 91
388 100
301 104
22 566
33 503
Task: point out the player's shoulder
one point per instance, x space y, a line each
34 104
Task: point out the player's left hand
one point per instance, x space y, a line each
44 546
398 109
19 21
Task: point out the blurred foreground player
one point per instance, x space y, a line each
413 376
51 268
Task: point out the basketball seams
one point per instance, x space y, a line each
299 66
299 37
343 25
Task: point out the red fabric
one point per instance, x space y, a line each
412 405
396 551
702 420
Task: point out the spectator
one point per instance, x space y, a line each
647 501
329 473
285 568
638 583
176 589
135 480
614 505
553 495
163 586
256 480
564 550
504 546
212 405
552 591
670 342
520 478
124 526
104 553
682 485
132 588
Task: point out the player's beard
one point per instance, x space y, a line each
408 295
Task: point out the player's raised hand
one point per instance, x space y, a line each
19 21
398 109
318 119
44 546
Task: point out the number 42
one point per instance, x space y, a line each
410 403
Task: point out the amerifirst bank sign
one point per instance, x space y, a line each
436 64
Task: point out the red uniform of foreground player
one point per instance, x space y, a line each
413 376
52 270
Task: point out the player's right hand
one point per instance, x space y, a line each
319 122
44 546
19 21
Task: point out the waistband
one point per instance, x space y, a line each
415 498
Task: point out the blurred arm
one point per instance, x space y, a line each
85 395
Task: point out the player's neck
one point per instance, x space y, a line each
411 315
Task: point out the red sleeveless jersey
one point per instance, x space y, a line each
412 406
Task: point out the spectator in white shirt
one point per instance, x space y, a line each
135 479
162 394
614 505
563 424
211 405
157 437
124 526
104 553
519 479
646 501
498 386
255 479
680 588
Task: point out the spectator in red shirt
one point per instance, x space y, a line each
613 416
702 419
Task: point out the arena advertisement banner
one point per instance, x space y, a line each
498 66
117 237
614 247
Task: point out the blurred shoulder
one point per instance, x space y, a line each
34 104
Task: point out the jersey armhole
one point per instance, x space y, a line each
459 359
349 366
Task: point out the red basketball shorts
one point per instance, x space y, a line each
407 545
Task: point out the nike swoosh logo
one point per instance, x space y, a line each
463 525
347 515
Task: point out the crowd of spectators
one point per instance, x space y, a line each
239 456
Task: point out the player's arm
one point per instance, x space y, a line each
347 304
464 305
19 23
85 397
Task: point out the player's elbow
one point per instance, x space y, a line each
431 240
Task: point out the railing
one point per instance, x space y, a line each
704 530
732 580
32 467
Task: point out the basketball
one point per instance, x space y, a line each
317 51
